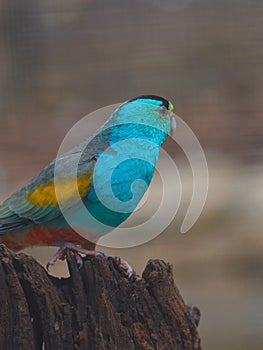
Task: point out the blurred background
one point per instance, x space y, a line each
60 60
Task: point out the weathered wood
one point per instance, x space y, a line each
97 307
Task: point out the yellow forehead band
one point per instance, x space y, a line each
171 107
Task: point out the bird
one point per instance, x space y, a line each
49 210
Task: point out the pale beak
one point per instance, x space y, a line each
172 124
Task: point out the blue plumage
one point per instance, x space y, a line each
115 168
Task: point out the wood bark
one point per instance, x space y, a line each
97 307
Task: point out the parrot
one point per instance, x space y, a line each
105 175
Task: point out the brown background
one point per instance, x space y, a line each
60 60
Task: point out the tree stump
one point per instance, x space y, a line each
97 307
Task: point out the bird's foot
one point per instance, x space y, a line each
61 254
123 264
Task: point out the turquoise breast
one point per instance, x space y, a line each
122 174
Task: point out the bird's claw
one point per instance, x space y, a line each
103 255
78 260
61 254
48 265
125 265
119 262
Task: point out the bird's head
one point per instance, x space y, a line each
147 116
152 108
155 101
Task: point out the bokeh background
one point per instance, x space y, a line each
60 60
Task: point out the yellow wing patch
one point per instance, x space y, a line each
66 189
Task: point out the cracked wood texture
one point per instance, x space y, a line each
97 307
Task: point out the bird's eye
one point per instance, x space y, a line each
162 110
